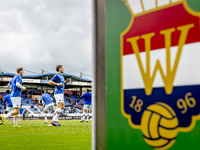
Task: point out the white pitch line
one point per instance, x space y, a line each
41 134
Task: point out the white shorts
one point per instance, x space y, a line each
87 107
9 109
16 101
20 115
49 106
59 98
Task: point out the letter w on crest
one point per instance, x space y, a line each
167 78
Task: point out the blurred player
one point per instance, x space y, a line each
9 107
15 95
21 113
58 82
87 105
7 100
48 105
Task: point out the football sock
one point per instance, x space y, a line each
83 116
8 115
15 121
58 112
56 119
54 114
87 117
45 117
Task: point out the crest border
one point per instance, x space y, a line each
128 116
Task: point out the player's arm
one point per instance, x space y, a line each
42 98
9 84
67 80
82 96
54 83
4 100
20 86
18 81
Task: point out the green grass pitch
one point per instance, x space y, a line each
34 135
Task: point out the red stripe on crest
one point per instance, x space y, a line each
171 17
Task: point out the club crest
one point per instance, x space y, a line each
160 73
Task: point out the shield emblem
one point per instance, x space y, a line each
160 73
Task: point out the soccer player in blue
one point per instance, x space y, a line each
9 107
87 105
7 100
15 94
48 105
58 81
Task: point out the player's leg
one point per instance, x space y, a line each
83 118
3 118
9 109
88 111
21 117
54 113
60 107
14 117
16 104
57 112
52 107
15 120
45 113
6 111
45 117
